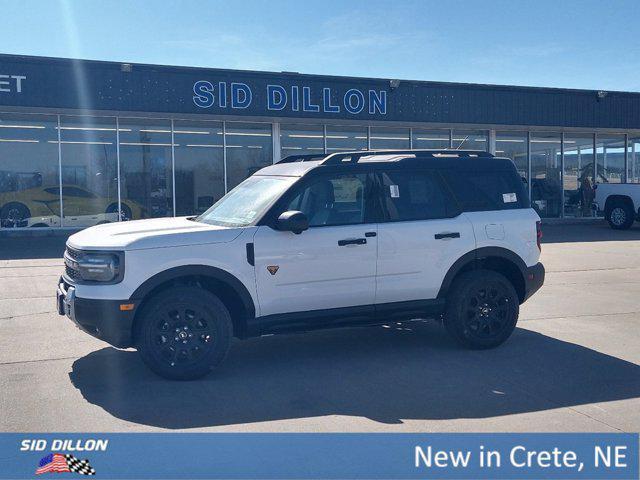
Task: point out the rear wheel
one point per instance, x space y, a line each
620 216
183 333
482 309
125 211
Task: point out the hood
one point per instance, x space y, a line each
152 233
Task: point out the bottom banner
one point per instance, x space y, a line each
307 456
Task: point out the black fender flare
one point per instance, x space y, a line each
197 270
479 254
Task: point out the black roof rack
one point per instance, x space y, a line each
310 157
354 157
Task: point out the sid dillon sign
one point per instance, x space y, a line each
290 98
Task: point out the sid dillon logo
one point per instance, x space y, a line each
59 463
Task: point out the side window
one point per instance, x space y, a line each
333 200
417 195
486 190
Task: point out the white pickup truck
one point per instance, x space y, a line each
620 203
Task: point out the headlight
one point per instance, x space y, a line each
94 266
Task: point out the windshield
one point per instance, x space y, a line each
245 203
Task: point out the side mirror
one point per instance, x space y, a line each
292 221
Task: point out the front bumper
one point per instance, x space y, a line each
533 280
102 319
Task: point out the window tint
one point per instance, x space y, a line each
414 196
333 200
486 190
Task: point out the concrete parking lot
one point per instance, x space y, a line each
572 365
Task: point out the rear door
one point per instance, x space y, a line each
423 235
496 203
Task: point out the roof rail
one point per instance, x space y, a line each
354 157
309 157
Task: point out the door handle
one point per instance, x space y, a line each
352 241
443 235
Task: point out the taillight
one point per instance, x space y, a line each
539 234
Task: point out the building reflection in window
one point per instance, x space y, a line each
346 138
470 140
578 174
298 139
89 171
199 163
430 139
546 187
249 148
513 145
29 171
383 138
145 167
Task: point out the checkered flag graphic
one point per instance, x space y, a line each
79 466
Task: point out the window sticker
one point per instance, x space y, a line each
395 191
509 197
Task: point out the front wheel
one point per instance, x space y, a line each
183 333
482 309
14 214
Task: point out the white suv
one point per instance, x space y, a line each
350 239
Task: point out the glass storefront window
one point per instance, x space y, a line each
89 171
346 138
545 173
513 145
29 171
470 140
145 167
199 163
249 148
390 138
610 158
578 175
301 139
430 139
633 175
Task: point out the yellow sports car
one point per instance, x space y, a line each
40 206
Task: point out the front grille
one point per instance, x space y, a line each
71 256
71 273
72 253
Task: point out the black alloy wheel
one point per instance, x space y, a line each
482 309
183 332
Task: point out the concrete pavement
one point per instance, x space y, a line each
572 365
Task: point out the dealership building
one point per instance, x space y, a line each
81 140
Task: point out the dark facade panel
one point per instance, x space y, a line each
72 84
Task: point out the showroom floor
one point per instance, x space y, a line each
572 365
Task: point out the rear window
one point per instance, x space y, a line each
487 190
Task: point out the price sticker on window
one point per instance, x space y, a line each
395 191
509 197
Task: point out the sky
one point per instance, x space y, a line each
563 43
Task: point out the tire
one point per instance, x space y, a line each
14 214
620 215
183 333
482 309
125 211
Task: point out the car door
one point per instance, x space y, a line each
421 238
331 265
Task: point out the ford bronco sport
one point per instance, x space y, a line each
350 239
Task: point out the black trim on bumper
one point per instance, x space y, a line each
533 279
102 319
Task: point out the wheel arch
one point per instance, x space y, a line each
226 286
613 199
498 259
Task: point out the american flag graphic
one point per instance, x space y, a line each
59 463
